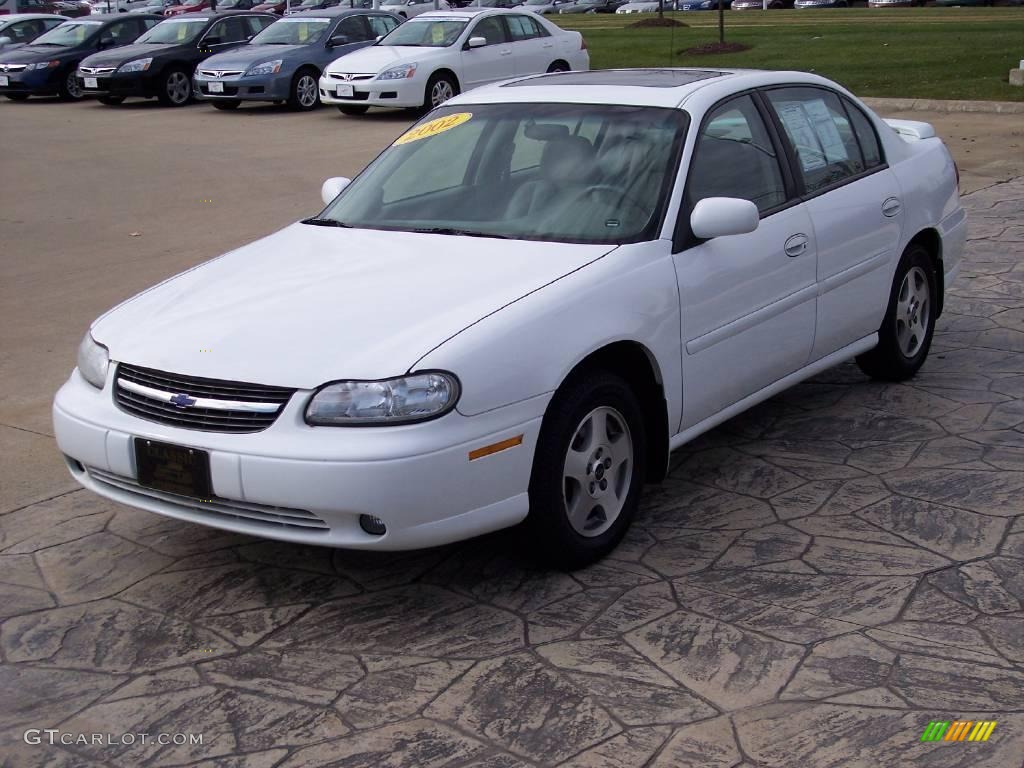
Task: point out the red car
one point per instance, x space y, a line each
188 6
272 7
58 7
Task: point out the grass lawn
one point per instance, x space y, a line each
937 53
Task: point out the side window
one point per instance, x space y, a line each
491 29
149 24
520 28
734 157
230 30
865 135
381 25
821 135
538 28
257 24
354 28
122 32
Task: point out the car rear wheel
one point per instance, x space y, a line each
588 470
176 90
559 66
353 110
227 104
111 101
439 89
305 93
70 90
906 333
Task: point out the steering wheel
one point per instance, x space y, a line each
621 198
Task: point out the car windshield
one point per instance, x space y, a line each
538 2
69 34
573 173
174 31
431 33
292 31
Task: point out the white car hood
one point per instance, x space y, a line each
375 58
311 304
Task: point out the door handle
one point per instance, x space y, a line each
796 245
506 53
891 207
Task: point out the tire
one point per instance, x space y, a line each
353 110
559 483
226 105
305 91
17 96
559 66
69 89
111 101
906 333
440 88
175 88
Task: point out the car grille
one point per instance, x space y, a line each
12 67
220 72
210 405
348 78
262 514
96 70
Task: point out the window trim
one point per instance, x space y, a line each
682 236
794 162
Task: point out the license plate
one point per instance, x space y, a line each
216 87
90 82
4 80
345 91
173 468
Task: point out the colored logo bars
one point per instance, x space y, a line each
958 730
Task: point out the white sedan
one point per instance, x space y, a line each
519 308
409 8
435 56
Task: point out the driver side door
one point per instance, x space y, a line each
747 301
490 62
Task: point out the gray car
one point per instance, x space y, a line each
19 29
283 62
546 6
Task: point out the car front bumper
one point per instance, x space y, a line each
374 93
245 87
297 483
119 85
38 82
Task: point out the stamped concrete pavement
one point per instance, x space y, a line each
815 582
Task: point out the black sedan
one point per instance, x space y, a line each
47 66
160 64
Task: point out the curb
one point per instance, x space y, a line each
940 105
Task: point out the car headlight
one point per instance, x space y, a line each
42 65
398 73
402 400
139 65
93 361
266 68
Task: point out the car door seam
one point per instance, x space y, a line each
861 268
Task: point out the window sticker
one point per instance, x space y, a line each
303 32
434 127
182 31
436 34
798 126
825 127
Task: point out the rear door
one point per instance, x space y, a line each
490 62
855 205
533 49
747 301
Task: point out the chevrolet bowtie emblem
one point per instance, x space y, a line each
183 401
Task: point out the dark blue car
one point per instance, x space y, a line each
47 66
283 63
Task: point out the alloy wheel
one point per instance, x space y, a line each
178 88
912 312
73 88
441 92
306 90
597 471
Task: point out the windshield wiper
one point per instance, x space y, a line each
453 231
320 222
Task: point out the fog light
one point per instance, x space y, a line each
372 525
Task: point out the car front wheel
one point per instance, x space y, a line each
176 90
906 332
70 90
588 470
440 88
305 93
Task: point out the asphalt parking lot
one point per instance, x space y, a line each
817 581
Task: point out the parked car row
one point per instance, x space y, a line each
349 57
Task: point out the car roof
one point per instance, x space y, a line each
666 87
466 13
219 14
27 16
337 10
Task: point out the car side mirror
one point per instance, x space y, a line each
379 38
212 41
106 42
332 188
338 40
476 42
8 41
723 216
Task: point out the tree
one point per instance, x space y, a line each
721 21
